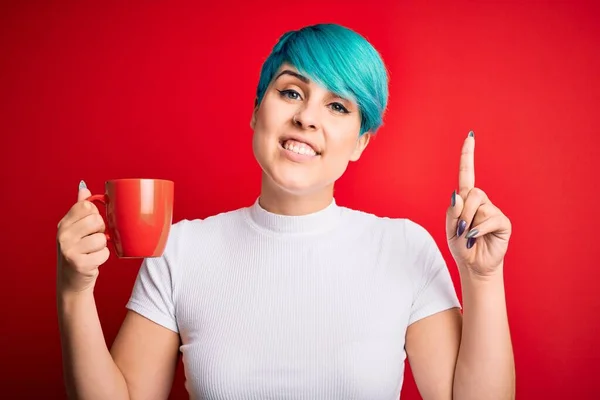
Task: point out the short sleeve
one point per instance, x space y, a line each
153 292
433 287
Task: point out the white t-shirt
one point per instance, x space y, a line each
294 307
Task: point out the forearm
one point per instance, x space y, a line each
89 370
485 366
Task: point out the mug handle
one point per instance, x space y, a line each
102 199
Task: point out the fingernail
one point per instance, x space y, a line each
470 242
462 225
82 185
453 199
472 232
472 134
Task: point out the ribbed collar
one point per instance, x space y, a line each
317 222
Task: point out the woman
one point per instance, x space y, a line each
296 297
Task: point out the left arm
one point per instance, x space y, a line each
432 346
485 367
465 357
469 357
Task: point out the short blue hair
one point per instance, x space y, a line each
340 60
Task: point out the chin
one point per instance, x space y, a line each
298 179
294 184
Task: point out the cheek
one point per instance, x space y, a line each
261 127
269 112
343 143
265 125
265 129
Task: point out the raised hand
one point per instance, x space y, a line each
477 231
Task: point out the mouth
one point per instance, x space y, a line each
299 146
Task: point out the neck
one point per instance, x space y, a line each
278 201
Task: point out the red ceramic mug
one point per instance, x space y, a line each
139 214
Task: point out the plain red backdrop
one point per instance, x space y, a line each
144 89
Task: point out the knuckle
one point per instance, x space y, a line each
83 208
488 212
100 239
92 207
99 221
101 256
63 238
79 208
485 211
85 225
93 222
62 243
477 193
89 206
105 254
70 256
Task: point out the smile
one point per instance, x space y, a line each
297 147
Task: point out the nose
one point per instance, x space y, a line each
307 118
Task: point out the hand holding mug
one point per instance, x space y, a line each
81 245
139 214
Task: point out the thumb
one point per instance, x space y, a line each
452 215
84 192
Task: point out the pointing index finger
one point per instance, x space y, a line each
466 169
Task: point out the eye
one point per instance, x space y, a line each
337 107
290 94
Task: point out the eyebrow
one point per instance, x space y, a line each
294 74
305 80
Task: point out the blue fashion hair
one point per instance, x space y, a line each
340 60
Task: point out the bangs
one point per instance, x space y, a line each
338 59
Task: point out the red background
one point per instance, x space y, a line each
129 90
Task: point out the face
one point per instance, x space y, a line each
304 135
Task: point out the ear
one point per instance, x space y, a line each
361 145
253 119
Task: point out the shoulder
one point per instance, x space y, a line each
185 232
402 229
399 239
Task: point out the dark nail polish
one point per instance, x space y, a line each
453 200
470 242
462 225
472 233
472 134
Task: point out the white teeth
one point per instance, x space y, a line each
299 148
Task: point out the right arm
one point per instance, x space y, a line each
142 361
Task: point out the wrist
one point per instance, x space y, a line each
482 289
468 276
66 295
71 284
